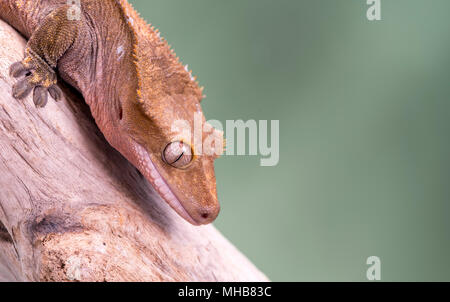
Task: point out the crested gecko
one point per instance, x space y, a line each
135 87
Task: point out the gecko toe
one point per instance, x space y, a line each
22 89
18 69
40 96
55 92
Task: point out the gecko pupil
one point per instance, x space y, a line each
179 157
177 154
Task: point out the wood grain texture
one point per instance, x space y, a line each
73 209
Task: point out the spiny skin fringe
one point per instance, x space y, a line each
153 85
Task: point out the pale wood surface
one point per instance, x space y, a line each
72 208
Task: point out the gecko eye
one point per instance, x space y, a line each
177 154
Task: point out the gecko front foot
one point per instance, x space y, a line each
38 76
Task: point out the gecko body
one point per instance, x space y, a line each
134 84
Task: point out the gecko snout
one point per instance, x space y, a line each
206 216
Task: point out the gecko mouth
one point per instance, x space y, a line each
151 173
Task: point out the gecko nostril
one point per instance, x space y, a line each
205 215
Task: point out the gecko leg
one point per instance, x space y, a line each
38 68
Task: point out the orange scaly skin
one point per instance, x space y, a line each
134 85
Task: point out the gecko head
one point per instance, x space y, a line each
158 138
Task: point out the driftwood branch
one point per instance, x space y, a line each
72 208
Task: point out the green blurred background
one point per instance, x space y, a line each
364 130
